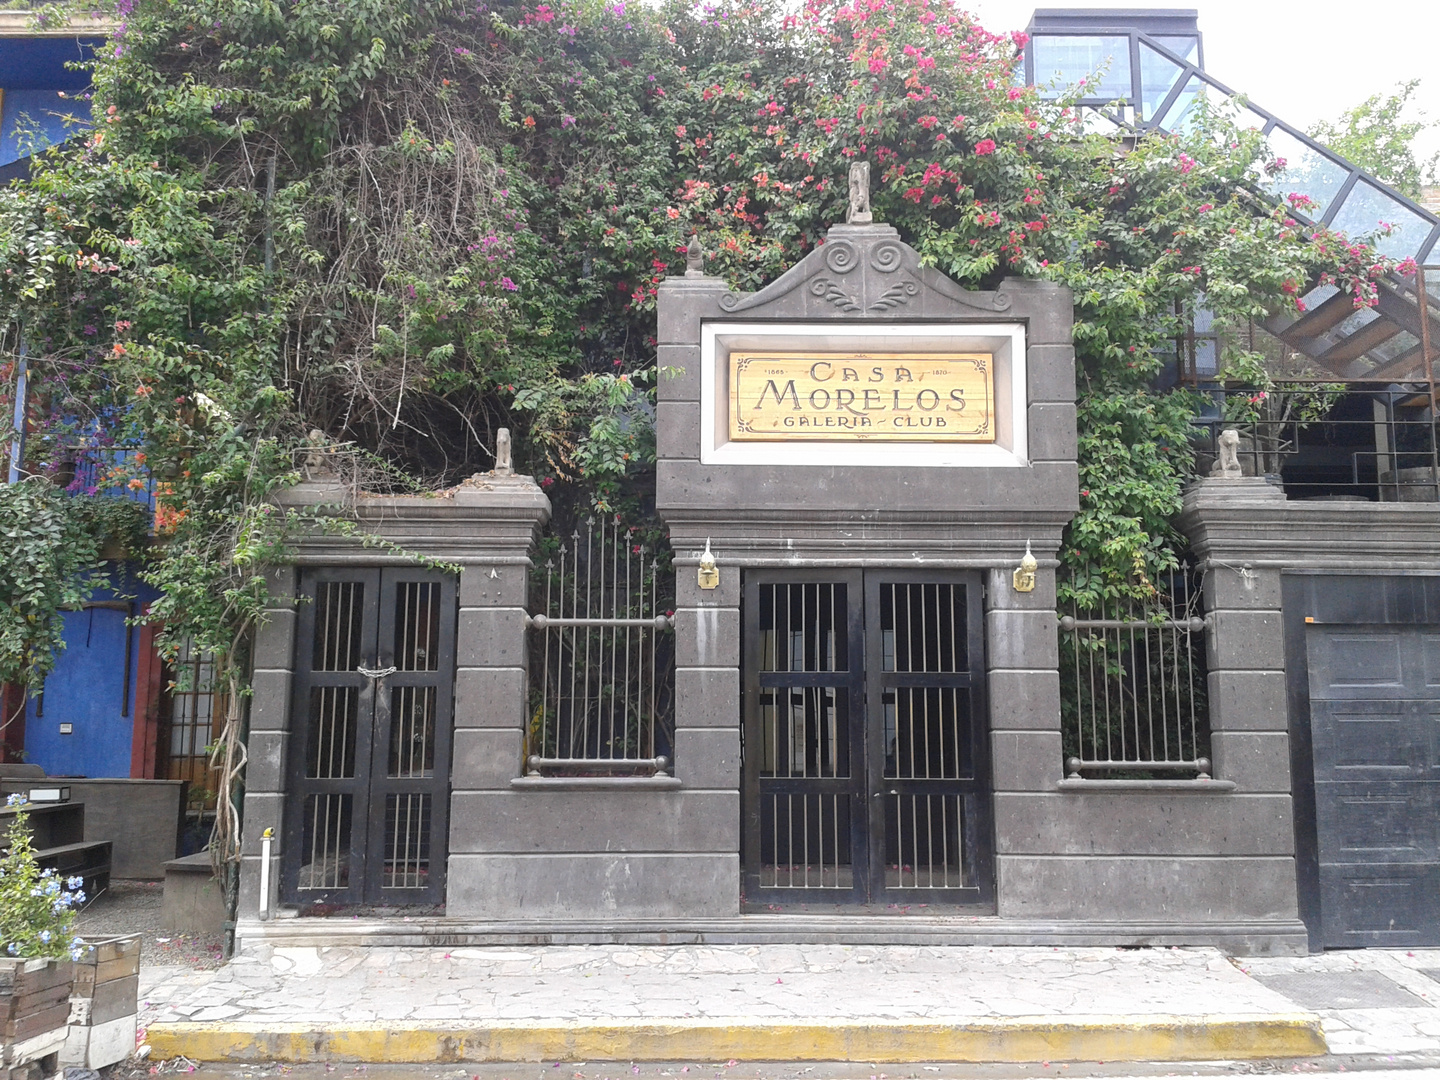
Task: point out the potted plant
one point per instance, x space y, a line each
37 947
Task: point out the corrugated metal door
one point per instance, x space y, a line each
1375 720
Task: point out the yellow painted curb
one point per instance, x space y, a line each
1012 1039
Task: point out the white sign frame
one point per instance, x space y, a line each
1006 341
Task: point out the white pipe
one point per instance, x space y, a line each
17 440
266 838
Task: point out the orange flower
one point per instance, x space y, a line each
529 121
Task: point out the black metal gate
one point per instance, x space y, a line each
866 776
1375 711
369 769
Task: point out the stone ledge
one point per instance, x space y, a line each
1168 787
596 783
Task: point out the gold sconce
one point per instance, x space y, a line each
1023 579
709 573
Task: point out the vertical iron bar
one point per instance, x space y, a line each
1423 296
589 613
1149 702
640 742
569 750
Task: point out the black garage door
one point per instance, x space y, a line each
1375 741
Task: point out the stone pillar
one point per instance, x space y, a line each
491 679
1245 653
708 717
1245 643
265 773
1022 661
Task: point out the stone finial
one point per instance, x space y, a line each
694 257
1227 464
503 464
859 211
318 464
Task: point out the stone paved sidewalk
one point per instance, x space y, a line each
777 982
805 983
1408 1023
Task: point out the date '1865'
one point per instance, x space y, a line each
914 397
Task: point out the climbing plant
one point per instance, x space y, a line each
406 224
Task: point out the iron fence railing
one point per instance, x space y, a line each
1351 442
1133 694
601 660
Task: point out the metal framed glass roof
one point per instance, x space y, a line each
1146 70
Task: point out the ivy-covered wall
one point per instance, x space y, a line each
400 226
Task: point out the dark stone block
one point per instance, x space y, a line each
1126 889
1143 823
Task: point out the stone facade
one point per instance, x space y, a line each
659 857
1163 861
1272 566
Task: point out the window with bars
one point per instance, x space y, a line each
193 715
1133 688
602 656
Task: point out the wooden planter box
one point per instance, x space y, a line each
103 1003
34 1015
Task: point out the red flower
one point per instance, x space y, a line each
985 146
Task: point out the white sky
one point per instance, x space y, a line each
1305 60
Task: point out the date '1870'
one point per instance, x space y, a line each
915 397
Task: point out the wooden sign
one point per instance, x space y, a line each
851 397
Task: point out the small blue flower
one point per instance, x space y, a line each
74 882
16 800
14 948
45 937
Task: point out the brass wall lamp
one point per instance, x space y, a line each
709 572
1023 579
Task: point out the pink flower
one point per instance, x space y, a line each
985 146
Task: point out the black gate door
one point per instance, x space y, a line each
368 803
865 776
1374 713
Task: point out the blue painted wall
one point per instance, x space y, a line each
89 690
33 75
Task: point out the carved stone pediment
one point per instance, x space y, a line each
863 271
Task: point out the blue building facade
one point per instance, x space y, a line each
42 92
97 702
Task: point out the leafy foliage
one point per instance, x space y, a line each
53 545
406 224
37 907
1376 136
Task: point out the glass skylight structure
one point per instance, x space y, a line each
1144 70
